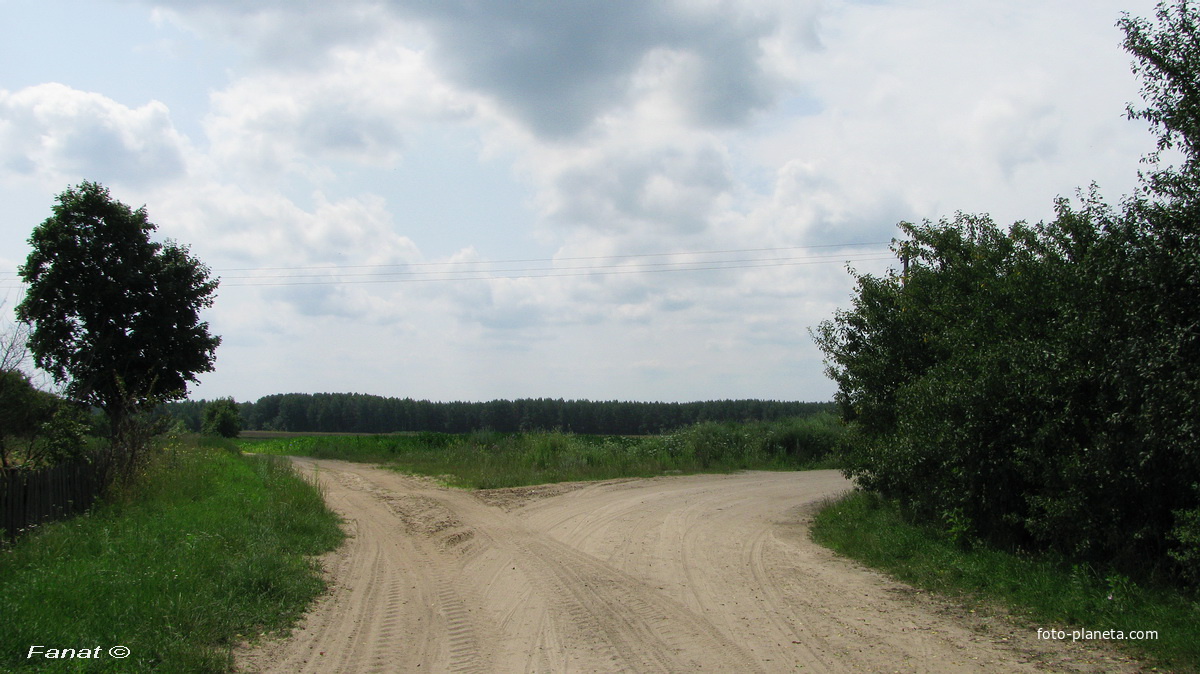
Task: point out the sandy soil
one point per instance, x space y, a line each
674 574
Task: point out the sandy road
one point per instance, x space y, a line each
674 574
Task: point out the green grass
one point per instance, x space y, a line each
1043 591
208 547
488 460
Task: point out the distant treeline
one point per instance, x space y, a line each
361 413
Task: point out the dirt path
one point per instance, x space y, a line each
674 574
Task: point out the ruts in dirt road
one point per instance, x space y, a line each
710 573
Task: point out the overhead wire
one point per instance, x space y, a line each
489 275
563 259
485 270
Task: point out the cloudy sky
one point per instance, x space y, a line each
466 200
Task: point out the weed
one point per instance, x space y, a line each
1041 588
207 546
485 460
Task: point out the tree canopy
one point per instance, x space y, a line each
1168 60
1037 386
115 316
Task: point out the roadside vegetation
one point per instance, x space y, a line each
206 547
488 460
191 546
1024 399
1036 387
1042 590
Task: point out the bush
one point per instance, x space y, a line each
1186 535
222 417
1037 387
805 440
1005 392
37 429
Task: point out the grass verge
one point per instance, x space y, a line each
208 547
1044 592
487 460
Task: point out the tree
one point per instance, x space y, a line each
115 316
14 346
18 416
1038 387
1161 316
1168 62
36 428
221 417
20 412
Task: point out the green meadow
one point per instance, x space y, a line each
208 547
488 460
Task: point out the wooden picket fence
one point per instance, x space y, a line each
32 497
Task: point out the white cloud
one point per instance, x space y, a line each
355 108
936 107
269 239
656 127
655 192
57 133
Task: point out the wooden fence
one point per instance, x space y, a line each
31 497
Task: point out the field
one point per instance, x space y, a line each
486 460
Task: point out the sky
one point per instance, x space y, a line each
466 200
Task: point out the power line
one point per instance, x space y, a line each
680 264
564 272
477 270
559 259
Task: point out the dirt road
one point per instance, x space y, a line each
675 574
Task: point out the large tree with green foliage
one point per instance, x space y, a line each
115 316
1038 386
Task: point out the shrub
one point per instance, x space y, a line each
1037 386
221 417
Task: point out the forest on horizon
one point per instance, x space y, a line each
365 413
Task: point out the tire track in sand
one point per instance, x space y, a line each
680 574
608 620
391 607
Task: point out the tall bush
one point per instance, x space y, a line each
1037 386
